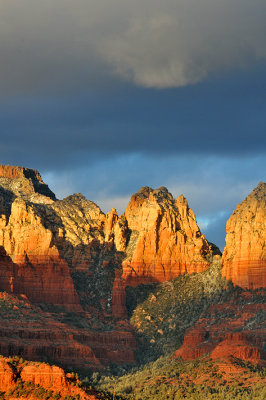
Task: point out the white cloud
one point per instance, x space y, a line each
71 44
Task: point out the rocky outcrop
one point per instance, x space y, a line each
73 349
242 345
66 252
32 264
49 377
244 257
23 379
163 238
55 253
25 182
227 330
7 375
44 242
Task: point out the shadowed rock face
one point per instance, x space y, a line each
24 182
244 258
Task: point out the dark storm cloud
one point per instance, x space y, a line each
50 46
64 131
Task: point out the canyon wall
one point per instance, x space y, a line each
244 257
67 252
75 262
164 239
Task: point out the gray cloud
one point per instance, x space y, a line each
68 45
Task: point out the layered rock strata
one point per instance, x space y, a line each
244 257
233 329
7 375
164 239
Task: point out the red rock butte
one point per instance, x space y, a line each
165 240
244 257
43 376
69 254
45 242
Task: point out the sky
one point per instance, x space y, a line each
104 97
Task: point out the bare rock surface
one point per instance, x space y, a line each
229 329
66 252
244 257
164 238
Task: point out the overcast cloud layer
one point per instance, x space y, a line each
66 44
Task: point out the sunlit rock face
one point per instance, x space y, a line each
67 252
31 263
244 257
7 375
25 182
51 381
163 238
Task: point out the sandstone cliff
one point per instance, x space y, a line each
164 239
45 242
244 257
69 264
23 379
54 253
66 252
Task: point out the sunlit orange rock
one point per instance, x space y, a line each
7 375
61 253
12 172
43 377
25 181
110 221
32 263
46 242
244 257
164 239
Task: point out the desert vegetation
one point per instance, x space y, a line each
173 379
